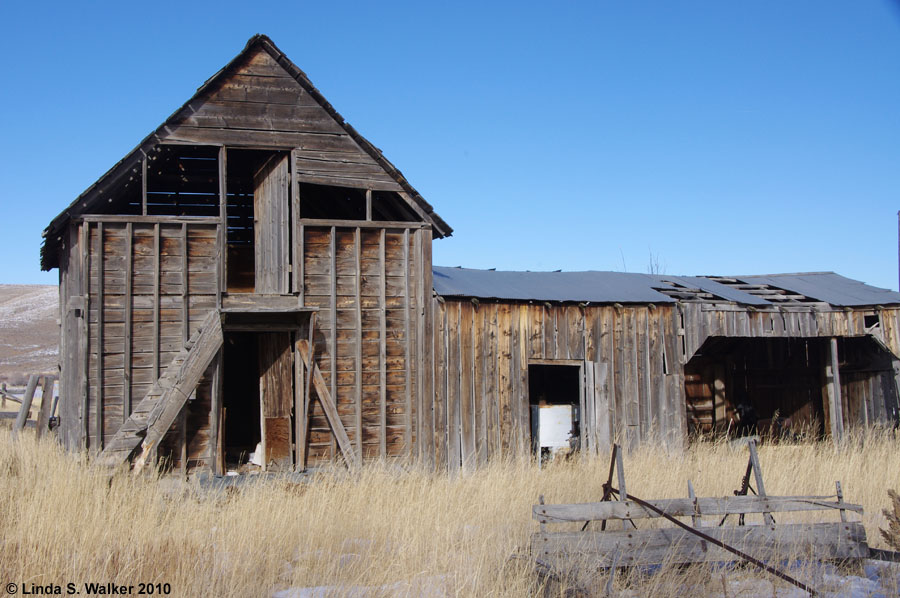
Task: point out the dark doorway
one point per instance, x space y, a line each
241 397
554 396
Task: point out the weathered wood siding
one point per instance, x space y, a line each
633 365
261 105
368 283
145 283
633 386
704 320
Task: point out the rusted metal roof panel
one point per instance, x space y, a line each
627 287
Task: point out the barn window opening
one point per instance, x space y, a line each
241 166
327 202
183 180
554 396
871 321
241 400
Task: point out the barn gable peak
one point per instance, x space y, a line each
259 100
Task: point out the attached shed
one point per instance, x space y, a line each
646 358
254 278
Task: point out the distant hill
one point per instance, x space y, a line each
29 333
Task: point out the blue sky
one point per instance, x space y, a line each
702 137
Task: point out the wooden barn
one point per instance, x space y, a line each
252 287
253 232
654 358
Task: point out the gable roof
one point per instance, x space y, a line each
627 287
288 107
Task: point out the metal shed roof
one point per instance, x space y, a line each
626 287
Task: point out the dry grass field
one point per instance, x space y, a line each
396 532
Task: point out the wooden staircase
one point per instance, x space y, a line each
154 415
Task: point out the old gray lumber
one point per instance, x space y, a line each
25 408
757 472
178 381
46 403
674 545
329 407
684 507
185 381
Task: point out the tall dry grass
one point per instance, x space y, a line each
64 520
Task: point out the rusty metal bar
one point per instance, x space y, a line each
723 545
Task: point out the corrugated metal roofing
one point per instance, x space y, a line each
828 287
626 287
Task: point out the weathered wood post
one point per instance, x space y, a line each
26 405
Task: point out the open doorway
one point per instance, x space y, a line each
240 400
258 401
554 396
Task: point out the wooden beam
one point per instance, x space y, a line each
836 541
45 413
144 185
296 229
101 328
86 330
399 225
185 381
129 307
301 244
369 205
222 228
25 407
685 507
334 350
359 341
329 407
156 285
836 382
382 347
303 436
757 474
833 392
185 302
215 412
407 347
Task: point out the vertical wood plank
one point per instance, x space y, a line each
478 385
466 386
302 261
299 404
215 413
504 363
407 347
101 329
129 307
332 353
222 230
382 348
369 205
520 396
156 284
441 400
44 414
359 341
424 285
25 407
603 436
185 303
85 331
296 237
424 402
144 185
453 383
